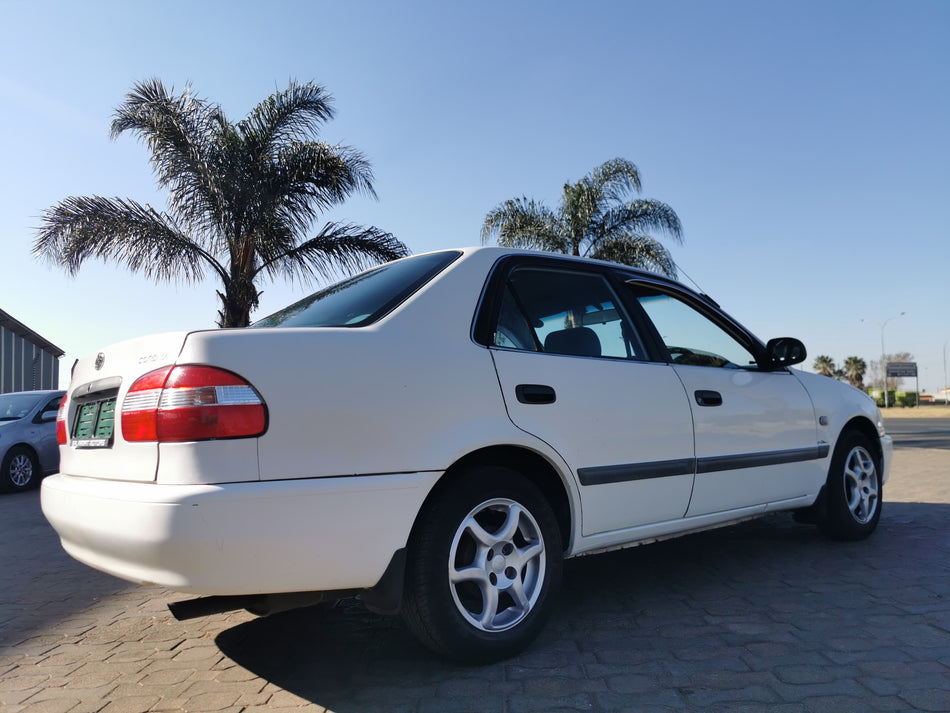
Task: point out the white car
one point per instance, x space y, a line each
439 433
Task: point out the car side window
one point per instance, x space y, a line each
53 404
691 337
561 311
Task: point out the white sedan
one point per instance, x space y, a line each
439 433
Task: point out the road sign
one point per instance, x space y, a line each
901 369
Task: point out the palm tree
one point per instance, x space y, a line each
824 365
241 198
595 218
854 370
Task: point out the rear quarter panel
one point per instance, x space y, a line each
410 393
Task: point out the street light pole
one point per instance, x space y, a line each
946 384
883 357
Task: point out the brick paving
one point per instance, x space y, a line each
763 616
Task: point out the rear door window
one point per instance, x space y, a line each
563 311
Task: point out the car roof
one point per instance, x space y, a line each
36 392
632 272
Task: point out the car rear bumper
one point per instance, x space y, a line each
241 538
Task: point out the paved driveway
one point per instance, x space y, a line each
763 616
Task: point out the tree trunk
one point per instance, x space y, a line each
237 302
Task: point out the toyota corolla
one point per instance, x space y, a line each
436 435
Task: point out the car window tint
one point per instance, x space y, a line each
53 404
564 312
690 336
362 299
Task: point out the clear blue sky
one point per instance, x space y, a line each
805 145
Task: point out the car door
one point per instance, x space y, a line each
755 429
46 445
574 373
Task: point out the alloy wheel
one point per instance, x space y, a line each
496 565
860 485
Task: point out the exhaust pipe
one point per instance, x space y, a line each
260 604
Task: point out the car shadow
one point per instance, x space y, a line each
704 600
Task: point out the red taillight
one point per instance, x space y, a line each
61 422
192 403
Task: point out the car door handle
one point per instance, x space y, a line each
708 398
535 394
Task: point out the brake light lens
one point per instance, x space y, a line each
192 403
61 422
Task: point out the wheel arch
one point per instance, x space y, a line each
31 451
385 597
531 464
843 510
864 426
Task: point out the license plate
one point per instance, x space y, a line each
95 423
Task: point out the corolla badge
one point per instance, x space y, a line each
100 360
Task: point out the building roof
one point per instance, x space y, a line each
17 327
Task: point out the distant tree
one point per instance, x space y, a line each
241 198
595 218
854 370
824 365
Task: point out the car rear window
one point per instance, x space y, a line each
364 298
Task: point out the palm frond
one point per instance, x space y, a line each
524 223
615 179
289 115
642 215
137 236
182 133
635 250
315 176
281 200
348 247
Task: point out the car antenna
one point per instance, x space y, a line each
699 289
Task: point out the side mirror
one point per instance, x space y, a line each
46 417
785 351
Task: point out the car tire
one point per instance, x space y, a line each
853 492
485 562
19 471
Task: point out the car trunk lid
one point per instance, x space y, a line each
95 447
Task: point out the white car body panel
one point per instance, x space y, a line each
646 420
126 361
209 462
762 414
838 404
363 423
